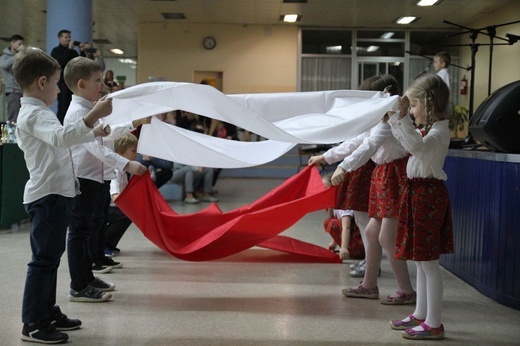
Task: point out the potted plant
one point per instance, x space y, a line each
459 120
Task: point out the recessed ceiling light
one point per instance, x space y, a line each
117 51
388 35
428 2
371 49
291 18
406 20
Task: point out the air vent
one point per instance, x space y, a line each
101 41
170 15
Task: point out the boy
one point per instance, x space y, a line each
441 62
118 222
51 187
84 77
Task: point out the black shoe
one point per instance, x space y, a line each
101 268
109 262
43 333
61 322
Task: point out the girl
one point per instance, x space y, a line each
386 185
425 227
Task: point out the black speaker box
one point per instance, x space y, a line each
496 122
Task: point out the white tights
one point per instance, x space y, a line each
380 234
429 293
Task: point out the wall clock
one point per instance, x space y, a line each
209 42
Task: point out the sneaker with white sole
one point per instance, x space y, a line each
109 262
101 268
43 333
89 295
60 321
101 285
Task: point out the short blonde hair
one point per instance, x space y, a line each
122 143
31 64
79 68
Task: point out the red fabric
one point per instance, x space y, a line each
211 234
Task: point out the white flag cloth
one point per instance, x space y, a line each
285 119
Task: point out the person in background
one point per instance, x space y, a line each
64 53
49 193
192 177
441 62
13 93
425 227
109 79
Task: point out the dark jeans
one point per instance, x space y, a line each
80 228
96 249
118 223
64 99
50 217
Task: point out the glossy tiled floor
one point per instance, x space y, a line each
258 297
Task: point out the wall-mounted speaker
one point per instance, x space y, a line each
496 122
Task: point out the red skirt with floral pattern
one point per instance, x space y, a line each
388 182
354 192
425 228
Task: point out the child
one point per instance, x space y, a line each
425 227
49 192
118 222
344 231
84 77
386 187
441 62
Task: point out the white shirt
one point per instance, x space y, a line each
118 184
443 73
379 145
428 152
45 143
89 158
339 213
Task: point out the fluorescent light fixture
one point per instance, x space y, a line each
371 49
117 51
127 61
388 35
428 2
333 49
291 18
406 20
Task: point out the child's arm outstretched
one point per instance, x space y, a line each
346 222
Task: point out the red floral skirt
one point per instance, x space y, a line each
388 182
354 192
425 228
355 246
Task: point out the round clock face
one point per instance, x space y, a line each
209 42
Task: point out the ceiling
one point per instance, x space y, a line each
116 20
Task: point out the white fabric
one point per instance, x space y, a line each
283 118
89 158
428 152
45 144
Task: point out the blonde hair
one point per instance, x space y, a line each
31 64
122 143
435 94
79 68
445 58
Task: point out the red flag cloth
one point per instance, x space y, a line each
211 234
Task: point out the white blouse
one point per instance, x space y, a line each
428 152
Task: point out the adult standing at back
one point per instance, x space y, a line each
13 93
63 53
